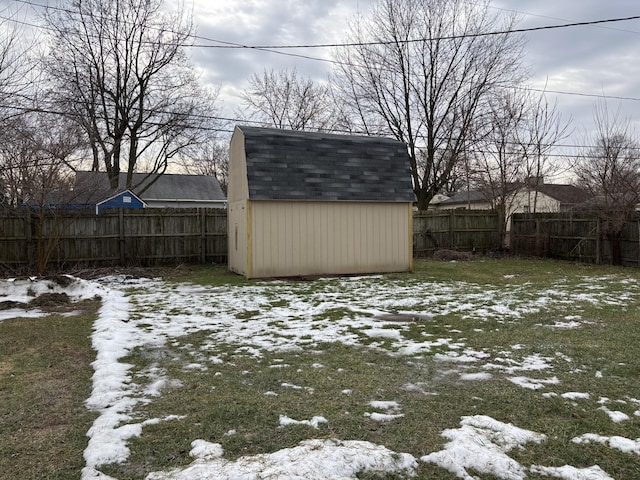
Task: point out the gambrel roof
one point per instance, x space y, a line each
300 165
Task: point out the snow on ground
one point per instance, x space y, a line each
281 316
311 460
482 444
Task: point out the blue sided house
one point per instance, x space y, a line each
126 199
93 190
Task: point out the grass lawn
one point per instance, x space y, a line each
550 347
45 376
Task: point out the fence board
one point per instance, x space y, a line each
171 236
573 236
116 237
470 230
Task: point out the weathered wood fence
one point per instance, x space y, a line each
147 237
573 236
115 237
469 230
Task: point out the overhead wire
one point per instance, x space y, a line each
234 45
223 129
275 49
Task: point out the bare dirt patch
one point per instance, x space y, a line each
452 255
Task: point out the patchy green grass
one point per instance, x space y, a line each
225 394
45 376
238 399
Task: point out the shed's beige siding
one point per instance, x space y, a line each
238 237
238 188
238 205
316 238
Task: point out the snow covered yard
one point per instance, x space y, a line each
344 378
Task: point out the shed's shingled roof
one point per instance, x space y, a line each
295 165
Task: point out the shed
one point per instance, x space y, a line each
307 203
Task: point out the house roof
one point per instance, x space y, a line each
161 187
123 193
296 165
472 196
565 194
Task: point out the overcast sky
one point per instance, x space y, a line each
581 61
584 60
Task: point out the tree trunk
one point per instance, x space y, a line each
423 198
615 244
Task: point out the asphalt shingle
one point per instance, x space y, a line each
295 165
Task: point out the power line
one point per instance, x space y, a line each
529 14
577 94
275 48
424 39
332 130
234 45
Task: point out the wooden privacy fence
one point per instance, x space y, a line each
470 230
573 236
170 236
115 237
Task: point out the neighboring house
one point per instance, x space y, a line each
303 203
548 197
523 198
154 191
126 199
469 200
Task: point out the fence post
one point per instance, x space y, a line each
203 236
28 234
451 220
598 241
121 234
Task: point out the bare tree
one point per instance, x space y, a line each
421 71
545 128
210 158
512 144
610 171
17 75
17 72
282 99
119 70
500 158
38 152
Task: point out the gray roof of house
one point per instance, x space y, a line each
297 165
164 187
565 194
471 196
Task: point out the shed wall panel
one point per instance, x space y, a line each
316 238
238 237
238 188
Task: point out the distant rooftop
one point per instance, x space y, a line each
565 194
295 165
164 187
